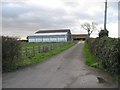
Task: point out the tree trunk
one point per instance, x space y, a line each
88 36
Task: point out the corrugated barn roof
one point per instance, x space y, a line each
53 31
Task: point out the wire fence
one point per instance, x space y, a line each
34 50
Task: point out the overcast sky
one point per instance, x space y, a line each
25 17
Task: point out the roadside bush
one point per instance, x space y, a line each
10 52
107 50
103 33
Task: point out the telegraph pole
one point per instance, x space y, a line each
105 18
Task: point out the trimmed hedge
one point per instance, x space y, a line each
10 52
107 51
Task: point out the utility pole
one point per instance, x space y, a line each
105 18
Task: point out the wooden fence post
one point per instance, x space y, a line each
42 49
33 51
30 51
26 51
39 49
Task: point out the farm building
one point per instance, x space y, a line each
62 35
77 37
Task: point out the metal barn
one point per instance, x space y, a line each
63 35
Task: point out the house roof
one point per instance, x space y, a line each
53 31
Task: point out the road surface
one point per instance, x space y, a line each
65 70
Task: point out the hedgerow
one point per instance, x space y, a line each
10 52
107 50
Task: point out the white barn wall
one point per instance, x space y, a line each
52 38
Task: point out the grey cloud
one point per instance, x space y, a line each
46 17
10 11
22 17
113 5
71 3
13 10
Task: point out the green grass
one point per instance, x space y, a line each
90 59
39 57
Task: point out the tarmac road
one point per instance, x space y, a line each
65 70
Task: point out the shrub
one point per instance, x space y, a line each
103 33
107 50
10 52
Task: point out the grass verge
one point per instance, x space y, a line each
90 59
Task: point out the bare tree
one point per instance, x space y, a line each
89 27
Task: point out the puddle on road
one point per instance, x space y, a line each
90 78
89 81
101 80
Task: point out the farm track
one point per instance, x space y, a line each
65 70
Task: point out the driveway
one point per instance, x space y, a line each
65 70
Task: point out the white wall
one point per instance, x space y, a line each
62 38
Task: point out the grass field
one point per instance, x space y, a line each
33 53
